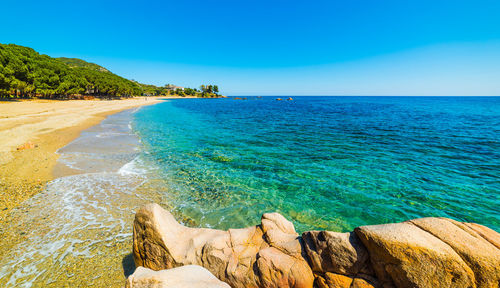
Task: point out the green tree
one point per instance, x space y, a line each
26 73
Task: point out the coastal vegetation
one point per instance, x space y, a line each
25 73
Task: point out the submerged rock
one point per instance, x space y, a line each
426 252
190 276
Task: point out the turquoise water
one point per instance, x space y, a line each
325 162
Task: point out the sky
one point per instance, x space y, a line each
274 47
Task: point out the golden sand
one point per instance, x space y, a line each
49 125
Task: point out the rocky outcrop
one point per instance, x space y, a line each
337 259
432 252
267 255
403 255
426 252
190 276
480 255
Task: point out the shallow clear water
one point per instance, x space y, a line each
326 162
78 232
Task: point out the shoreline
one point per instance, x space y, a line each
50 125
87 209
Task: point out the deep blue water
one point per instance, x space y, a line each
326 162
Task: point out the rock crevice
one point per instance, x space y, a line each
476 252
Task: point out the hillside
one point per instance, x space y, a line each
24 73
75 62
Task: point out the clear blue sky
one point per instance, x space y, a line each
275 47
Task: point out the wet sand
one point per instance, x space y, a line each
77 232
49 125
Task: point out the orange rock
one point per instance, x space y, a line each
479 254
426 252
361 283
404 255
340 253
331 280
278 269
267 255
27 145
485 232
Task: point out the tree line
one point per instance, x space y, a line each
24 73
205 91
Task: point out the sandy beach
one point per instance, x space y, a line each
48 125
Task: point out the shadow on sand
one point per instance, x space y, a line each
128 265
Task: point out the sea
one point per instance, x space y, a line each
325 163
